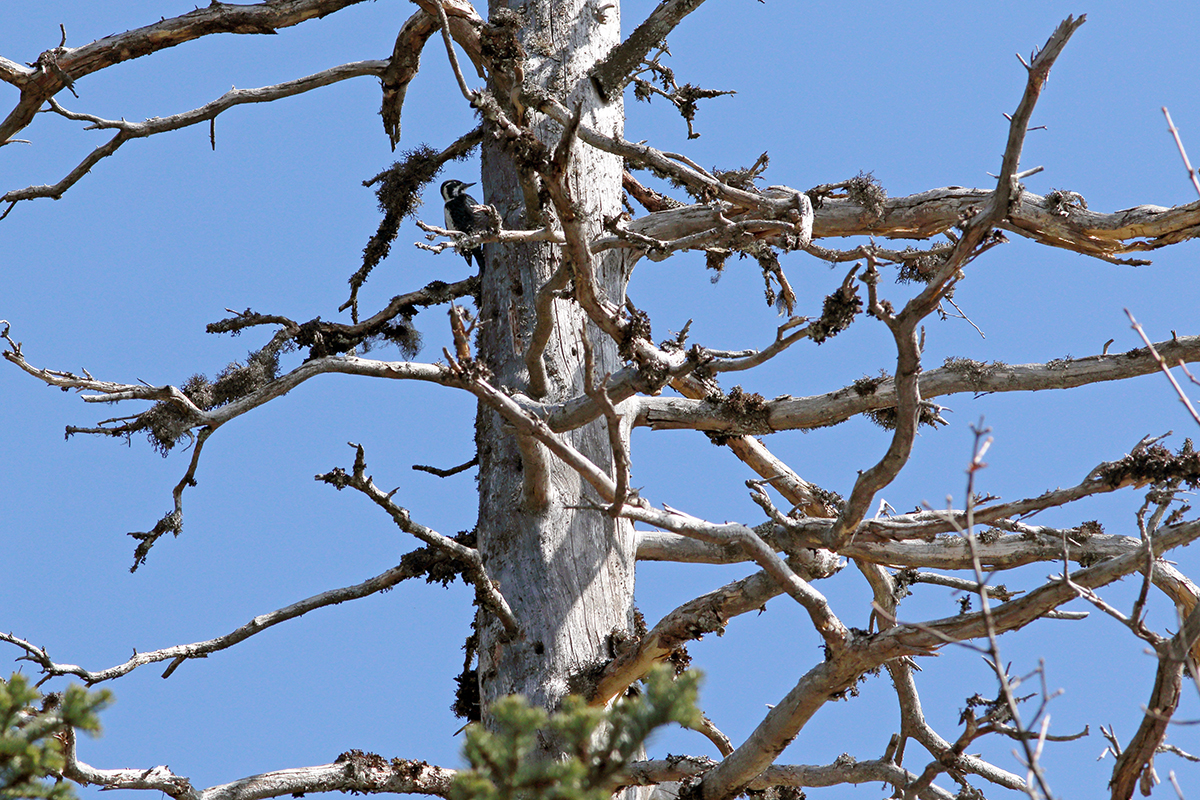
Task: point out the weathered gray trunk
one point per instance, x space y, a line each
567 573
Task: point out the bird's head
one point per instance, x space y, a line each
452 189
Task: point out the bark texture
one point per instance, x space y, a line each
568 573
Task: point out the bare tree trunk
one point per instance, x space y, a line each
567 572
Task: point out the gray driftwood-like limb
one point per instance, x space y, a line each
137 130
803 496
617 431
543 328
861 653
917 546
465 23
448 39
1036 775
107 391
957 377
708 613
354 772
698 180
189 417
975 239
726 235
914 725
616 69
402 67
158 779
576 250
464 242
912 719
70 179
670 365
529 425
1021 611
903 328
177 654
57 68
488 595
843 771
1173 658
357 772
830 628
1048 220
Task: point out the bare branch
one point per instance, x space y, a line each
616 69
913 725
158 778
528 425
859 654
464 242
464 26
213 418
543 329
616 428
1020 611
56 68
136 130
488 594
450 54
975 239
177 654
908 401
402 68
354 772
1182 153
706 614
1137 757
827 624
958 376
173 521
673 365
844 770
982 443
698 180
1183 398
923 215
446 473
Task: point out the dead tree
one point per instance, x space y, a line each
564 366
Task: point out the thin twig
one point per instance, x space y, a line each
472 563
179 653
462 82
1182 152
1031 756
1183 398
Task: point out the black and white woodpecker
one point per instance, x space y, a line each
465 215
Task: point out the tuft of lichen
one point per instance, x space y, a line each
865 386
866 190
1154 464
974 371
837 313
749 410
927 414
167 421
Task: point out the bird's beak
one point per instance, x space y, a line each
465 185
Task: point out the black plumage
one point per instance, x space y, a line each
464 214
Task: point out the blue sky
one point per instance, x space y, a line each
121 275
